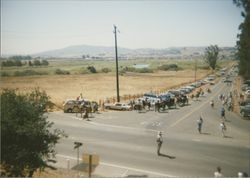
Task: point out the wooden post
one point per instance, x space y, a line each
90 165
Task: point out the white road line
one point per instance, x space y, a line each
122 167
196 140
125 173
118 127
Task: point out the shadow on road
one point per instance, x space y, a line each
228 137
163 111
83 167
205 133
164 155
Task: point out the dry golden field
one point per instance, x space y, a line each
100 86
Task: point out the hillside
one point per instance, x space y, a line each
102 52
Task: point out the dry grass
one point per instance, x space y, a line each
100 86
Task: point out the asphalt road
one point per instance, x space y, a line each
127 139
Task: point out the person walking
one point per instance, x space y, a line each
159 141
212 103
217 173
199 124
222 113
223 128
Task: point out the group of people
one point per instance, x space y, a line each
227 100
222 124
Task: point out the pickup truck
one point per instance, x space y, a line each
118 106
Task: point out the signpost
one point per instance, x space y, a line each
77 145
91 161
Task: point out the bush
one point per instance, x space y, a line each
28 72
166 67
83 70
144 70
91 69
4 74
62 72
106 70
28 139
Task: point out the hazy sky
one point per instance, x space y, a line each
37 25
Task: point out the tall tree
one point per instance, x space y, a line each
211 55
243 44
27 138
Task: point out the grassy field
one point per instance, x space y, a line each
100 86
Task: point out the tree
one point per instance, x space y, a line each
211 55
30 63
243 45
45 62
27 138
91 69
37 62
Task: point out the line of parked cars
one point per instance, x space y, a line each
245 108
245 105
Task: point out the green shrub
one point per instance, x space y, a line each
83 70
62 72
166 67
4 74
144 70
28 73
106 70
91 69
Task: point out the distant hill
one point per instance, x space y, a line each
102 52
79 50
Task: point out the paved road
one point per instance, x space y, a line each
126 140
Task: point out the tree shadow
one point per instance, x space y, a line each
142 111
83 167
167 156
165 111
227 136
205 133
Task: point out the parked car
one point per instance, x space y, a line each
71 105
175 92
185 90
246 102
188 89
247 82
247 93
245 110
118 106
151 97
245 87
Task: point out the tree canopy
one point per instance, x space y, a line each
27 138
211 55
243 44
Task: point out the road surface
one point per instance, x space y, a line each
126 141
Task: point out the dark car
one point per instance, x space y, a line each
245 110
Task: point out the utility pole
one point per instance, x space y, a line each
195 70
116 58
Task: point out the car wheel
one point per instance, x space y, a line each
69 110
75 109
243 114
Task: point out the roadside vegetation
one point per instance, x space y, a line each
243 44
28 139
81 67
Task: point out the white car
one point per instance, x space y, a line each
118 106
247 93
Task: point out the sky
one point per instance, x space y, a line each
32 26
